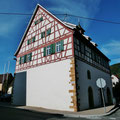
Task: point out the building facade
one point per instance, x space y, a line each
57 66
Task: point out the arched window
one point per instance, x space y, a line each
109 98
90 98
88 74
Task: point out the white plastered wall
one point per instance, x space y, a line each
48 86
85 83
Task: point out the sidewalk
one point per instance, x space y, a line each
98 112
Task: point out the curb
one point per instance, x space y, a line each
66 114
92 116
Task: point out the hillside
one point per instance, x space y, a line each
115 69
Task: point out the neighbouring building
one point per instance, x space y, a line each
57 66
115 80
1 79
5 80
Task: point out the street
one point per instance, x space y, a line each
17 114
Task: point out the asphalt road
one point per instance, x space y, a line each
17 114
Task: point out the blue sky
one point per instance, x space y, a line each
106 35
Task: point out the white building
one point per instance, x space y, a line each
57 66
114 80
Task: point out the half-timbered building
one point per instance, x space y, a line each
57 66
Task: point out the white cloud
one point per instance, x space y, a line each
112 48
86 8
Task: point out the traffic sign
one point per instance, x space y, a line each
101 83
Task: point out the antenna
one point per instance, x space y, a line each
66 15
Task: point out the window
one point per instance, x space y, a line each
38 21
48 50
41 19
42 34
89 75
51 49
22 59
29 57
60 46
28 42
49 31
25 58
33 39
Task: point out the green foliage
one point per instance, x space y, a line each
115 69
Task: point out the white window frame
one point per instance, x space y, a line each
48 50
58 46
28 57
22 59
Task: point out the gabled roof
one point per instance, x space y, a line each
30 22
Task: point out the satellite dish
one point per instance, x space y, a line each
101 83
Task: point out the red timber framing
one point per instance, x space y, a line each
58 32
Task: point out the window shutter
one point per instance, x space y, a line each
52 46
44 51
62 45
25 56
20 61
28 42
30 56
